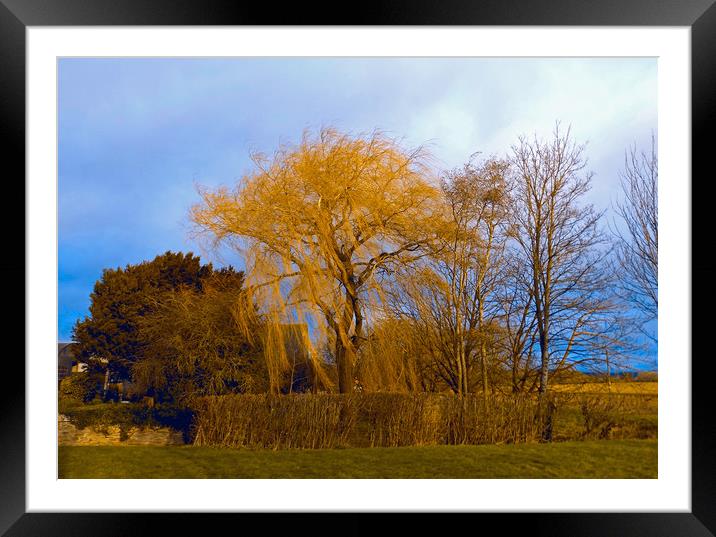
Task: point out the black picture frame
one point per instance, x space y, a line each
699 15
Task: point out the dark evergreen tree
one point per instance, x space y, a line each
123 296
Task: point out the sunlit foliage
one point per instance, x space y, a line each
319 223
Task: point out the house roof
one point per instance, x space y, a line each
65 354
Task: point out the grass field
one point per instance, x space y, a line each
641 388
593 459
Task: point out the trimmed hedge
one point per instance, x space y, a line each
363 420
312 421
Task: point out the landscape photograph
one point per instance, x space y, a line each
357 267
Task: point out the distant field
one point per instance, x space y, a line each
592 459
645 388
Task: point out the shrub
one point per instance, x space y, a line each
179 418
80 387
606 416
101 416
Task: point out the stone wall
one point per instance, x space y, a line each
70 435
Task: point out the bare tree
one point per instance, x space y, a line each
479 205
519 322
563 248
638 237
614 342
452 297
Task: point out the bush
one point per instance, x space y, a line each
606 416
100 416
127 415
80 387
175 417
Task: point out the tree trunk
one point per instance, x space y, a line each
544 362
466 378
344 363
462 370
346 346
545 407
105 386
483 362
458 384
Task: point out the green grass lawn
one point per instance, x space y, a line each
592 459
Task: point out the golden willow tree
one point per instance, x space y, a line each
318 224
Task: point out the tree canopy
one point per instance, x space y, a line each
193 345
318 222
192 304
121 297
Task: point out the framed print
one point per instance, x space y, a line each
402 264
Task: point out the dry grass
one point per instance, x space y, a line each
637 388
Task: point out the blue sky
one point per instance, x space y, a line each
137 135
